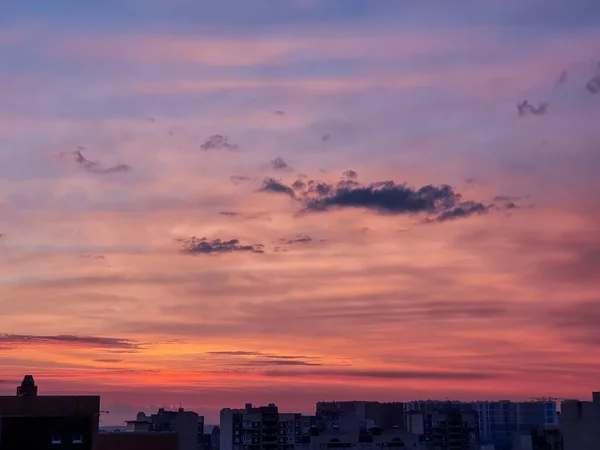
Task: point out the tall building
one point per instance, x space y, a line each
445 428
250 428
354 437
187 425
215 438
264 428
501 421
384 415
40 422
580 424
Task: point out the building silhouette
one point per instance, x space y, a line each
29 421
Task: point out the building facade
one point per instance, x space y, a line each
580 424
40 422
445 428
500 422
264 428
187 425
385 415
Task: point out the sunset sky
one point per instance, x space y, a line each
207 203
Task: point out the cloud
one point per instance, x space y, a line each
85 341
94 166
387 374
218 142
465 209
268 359
578 321
524 108
254 353
572 258
298 185
195 246
279 164
593 85
279 362
90 256
238 179
320 188
299 239
276 187
388 197
229 213
108 361
351 174
236 353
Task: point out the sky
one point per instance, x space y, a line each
208 203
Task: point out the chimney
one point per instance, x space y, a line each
28 387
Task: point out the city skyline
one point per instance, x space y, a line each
210 204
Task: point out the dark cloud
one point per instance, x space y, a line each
268 358
347 184
326 137
89 341
236 353
279 112
320 188
505 198
90 256
351 174
525 108
388 374
218 142
109 361
195 246
389 197
94 166
276 187
298 185
465 209
562 79
279 164
299 239
238 179
280 362
229 213
593 86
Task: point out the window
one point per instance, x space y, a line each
56 439
78 439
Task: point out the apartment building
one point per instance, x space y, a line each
264 428
580 424
187 425
445 428
32 421
501 421
385 415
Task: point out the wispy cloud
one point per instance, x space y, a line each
218 142
95 166
280 164
274 186
196 246
66 339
